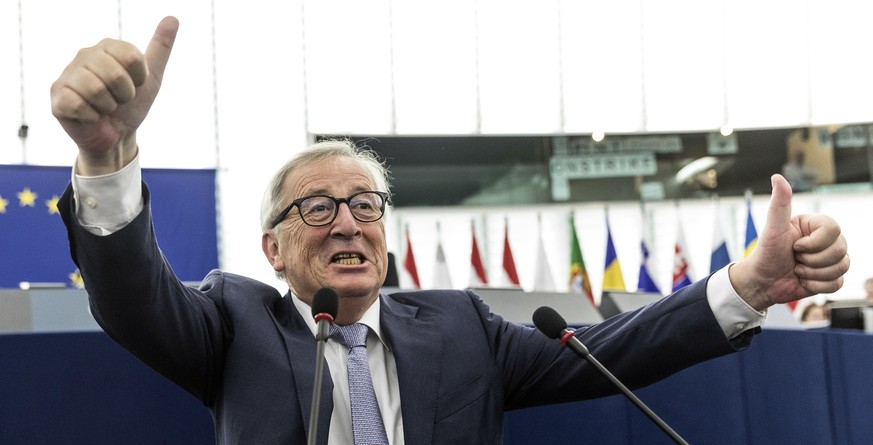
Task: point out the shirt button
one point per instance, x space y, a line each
741 326
91 202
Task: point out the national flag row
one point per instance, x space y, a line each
578 280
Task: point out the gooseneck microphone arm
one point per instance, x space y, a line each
550 323
325 305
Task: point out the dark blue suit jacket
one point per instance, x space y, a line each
246 353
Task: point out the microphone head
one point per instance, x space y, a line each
325 301
549 322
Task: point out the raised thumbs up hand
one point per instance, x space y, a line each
105 93
795 257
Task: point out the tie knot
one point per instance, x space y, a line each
351 335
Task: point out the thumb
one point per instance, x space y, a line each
158 52
779 212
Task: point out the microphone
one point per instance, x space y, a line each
550 323
325 305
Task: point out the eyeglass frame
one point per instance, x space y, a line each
337 201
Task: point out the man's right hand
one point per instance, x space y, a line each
106 92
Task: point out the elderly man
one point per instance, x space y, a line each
443 368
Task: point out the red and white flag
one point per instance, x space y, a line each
681 266
478 278
510 276
409 262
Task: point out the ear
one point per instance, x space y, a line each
270 245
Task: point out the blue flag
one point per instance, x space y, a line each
645 282
33 239
720 257
751 232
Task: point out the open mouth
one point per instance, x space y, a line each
348 259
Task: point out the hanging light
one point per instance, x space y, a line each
695 167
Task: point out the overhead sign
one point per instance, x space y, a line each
603 166
565 168
576 145
852 136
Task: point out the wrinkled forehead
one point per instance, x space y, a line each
336 176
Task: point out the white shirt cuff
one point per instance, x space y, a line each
107 203
734 315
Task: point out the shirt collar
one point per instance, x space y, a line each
371 317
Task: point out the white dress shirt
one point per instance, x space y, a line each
382 370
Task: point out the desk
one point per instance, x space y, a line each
790 387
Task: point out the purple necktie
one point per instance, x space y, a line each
367 423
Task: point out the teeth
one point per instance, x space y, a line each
348 259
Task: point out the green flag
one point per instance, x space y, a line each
579 282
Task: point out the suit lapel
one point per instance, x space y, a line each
300 346
416 346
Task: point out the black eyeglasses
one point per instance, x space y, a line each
321 210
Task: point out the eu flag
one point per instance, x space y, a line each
33 239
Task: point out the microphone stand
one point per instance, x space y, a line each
321 339
581 350
325 306
323 321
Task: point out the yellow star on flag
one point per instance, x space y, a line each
27 198
76 279
52 205
3 204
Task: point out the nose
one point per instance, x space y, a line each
345 224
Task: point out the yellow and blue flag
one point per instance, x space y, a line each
751 232
612 277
